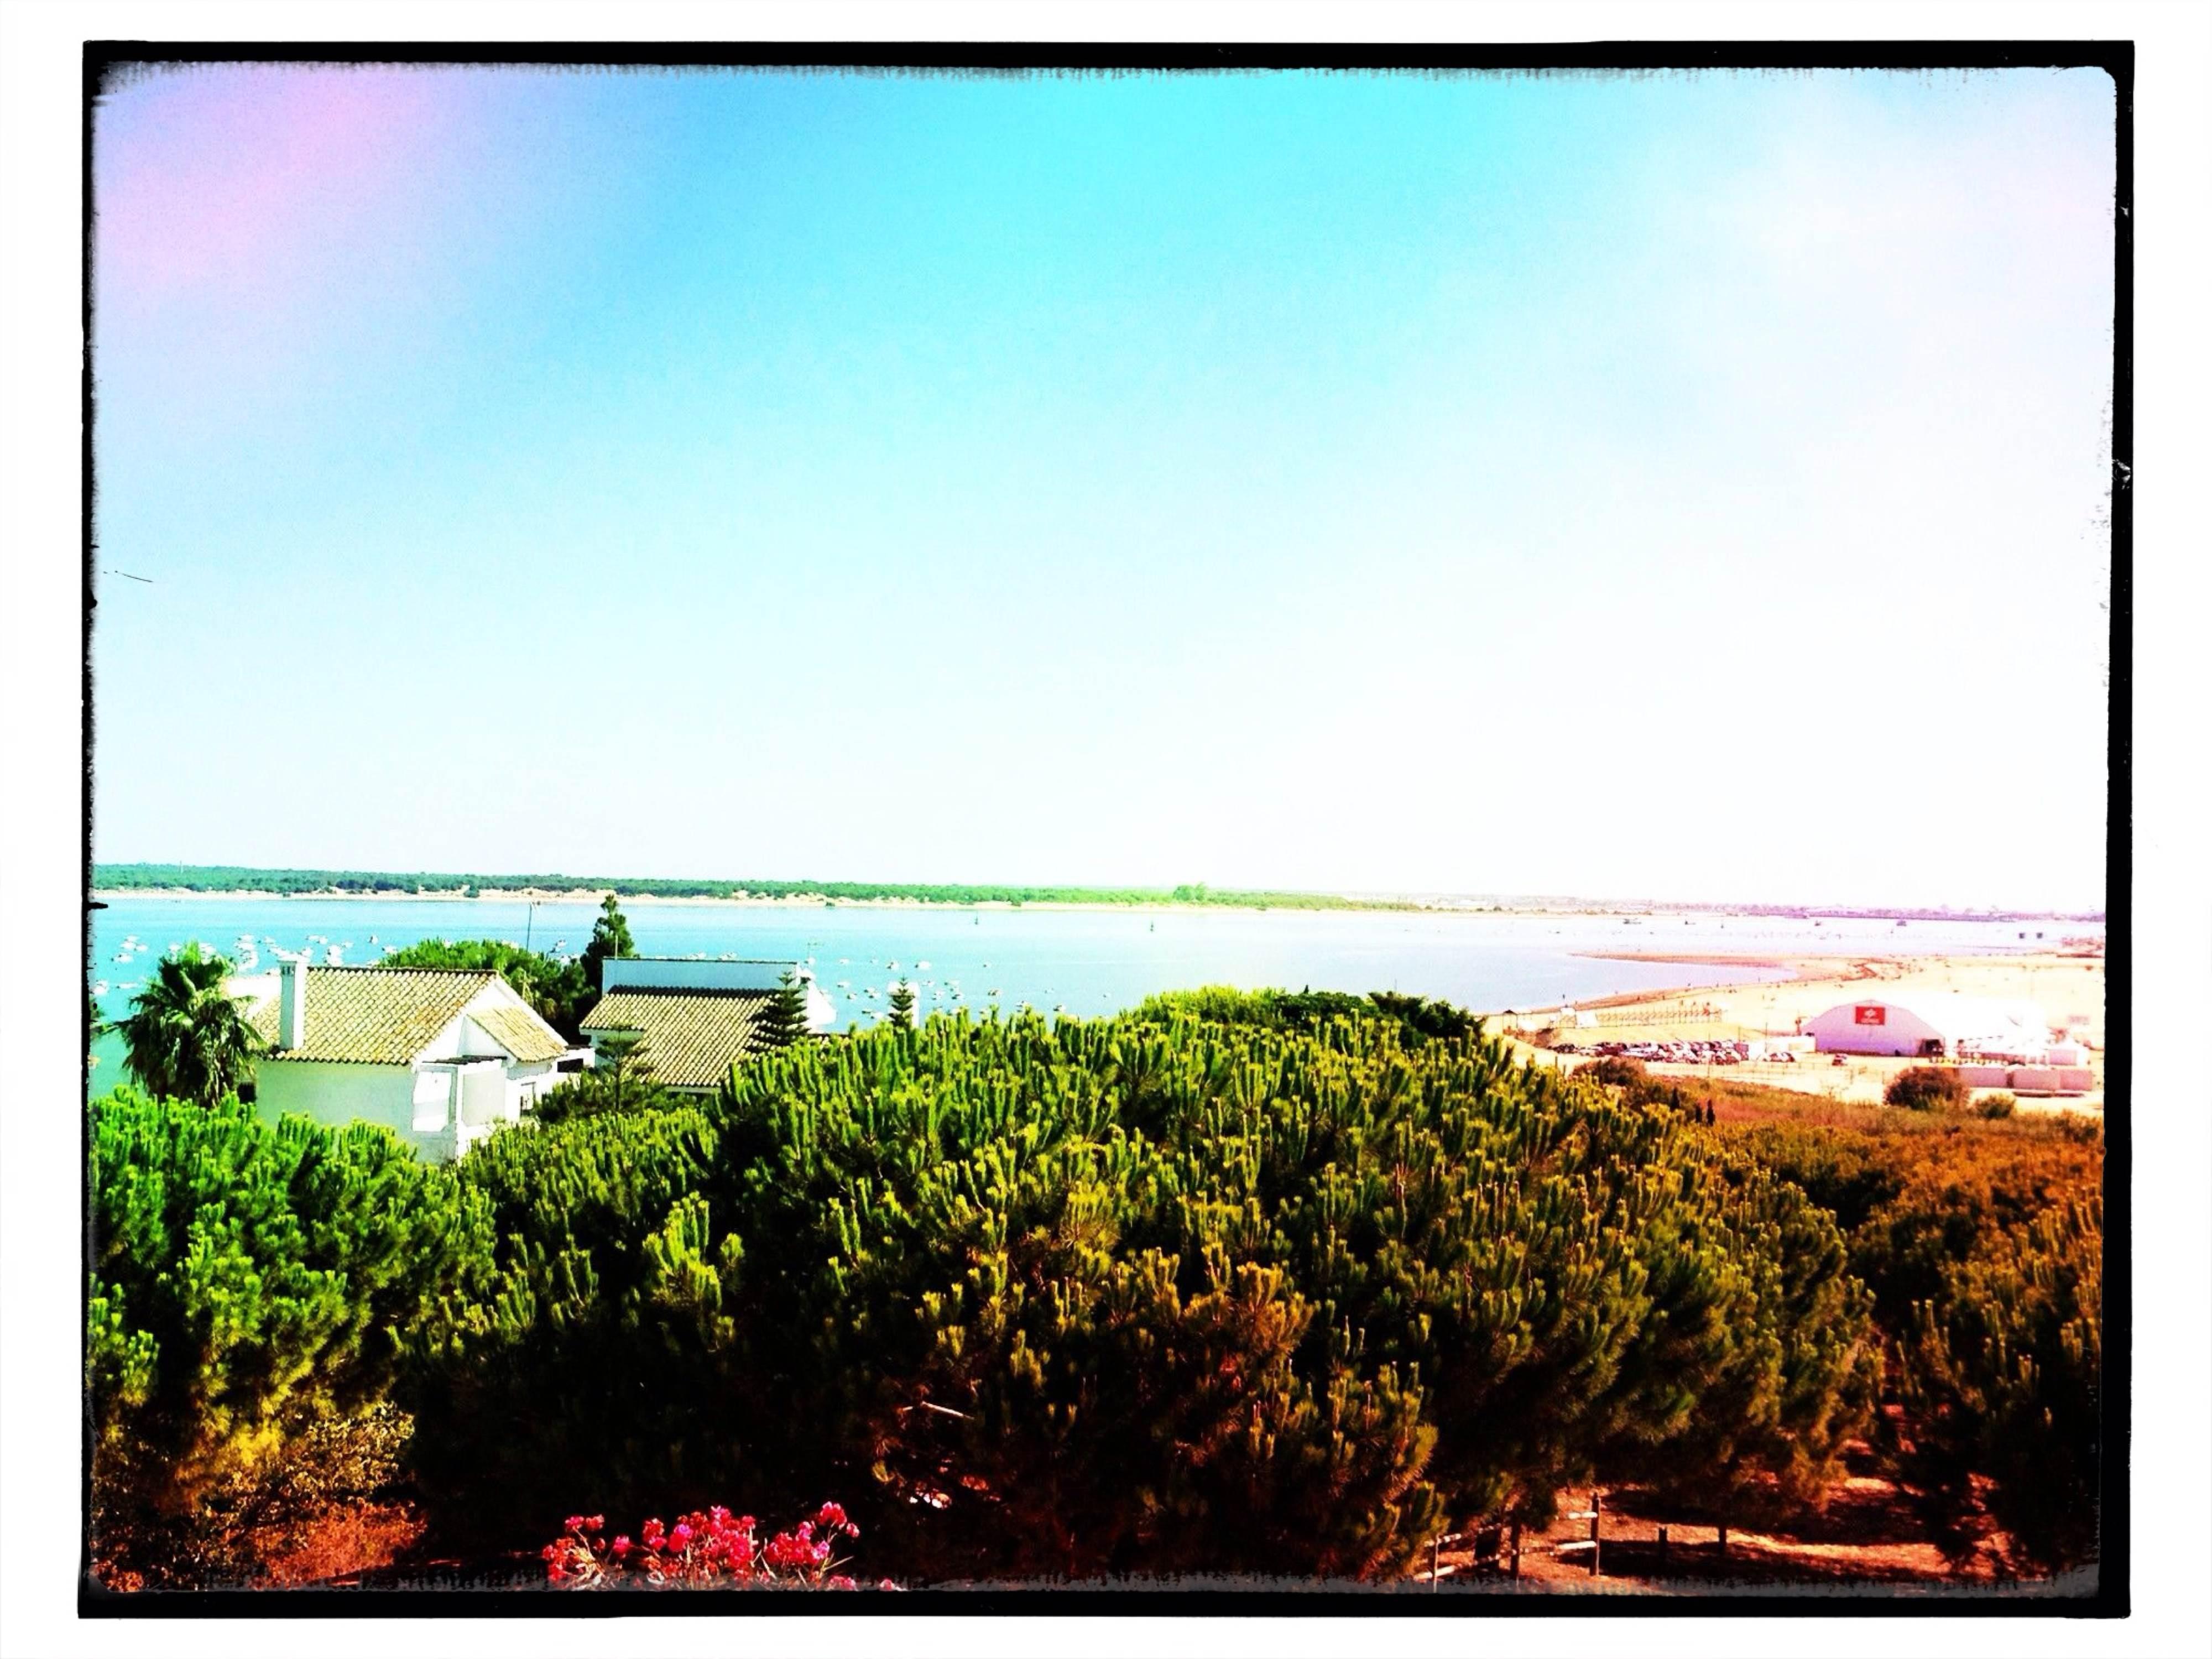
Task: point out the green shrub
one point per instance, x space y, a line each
1982 1246
247 1282
1152 1294
2005 1380
1418 1019
2000 1104
1614 1070
1927 1089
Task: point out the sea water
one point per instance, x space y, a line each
1082 962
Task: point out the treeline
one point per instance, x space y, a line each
229 878
1283 1285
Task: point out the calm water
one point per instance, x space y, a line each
1087 962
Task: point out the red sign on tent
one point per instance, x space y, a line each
1868 1013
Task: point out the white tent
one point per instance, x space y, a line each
1932 1025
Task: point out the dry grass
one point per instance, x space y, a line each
342 1543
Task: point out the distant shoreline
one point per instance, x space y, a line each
801 902
1339 904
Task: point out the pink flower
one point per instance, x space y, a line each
620 1546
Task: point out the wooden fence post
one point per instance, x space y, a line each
1662 1547
1723 1541
1597 1533
1516 1549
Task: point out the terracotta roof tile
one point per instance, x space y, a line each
521 1033
691 1038
372 1016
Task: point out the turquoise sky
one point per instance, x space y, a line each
1687 485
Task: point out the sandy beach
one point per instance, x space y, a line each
2069 984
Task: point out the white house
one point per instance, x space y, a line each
1936 1025
441 1058
692 1018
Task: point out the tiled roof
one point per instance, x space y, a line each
520 1032
375 1016
690 1037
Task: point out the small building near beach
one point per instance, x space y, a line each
1932 1026
690 1019
442 1059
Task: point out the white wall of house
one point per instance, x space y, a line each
462 1085
338 1092
525 1081
687 974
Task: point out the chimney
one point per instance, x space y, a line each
291 1023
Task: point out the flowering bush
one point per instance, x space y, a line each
711 1548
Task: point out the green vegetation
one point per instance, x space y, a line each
1927 1089
618 1080
1418 1018
901 1009
783 1019
1277 1283
1133 1296
610 937
238 878
1982 1243
558 990
185 1038
246 1282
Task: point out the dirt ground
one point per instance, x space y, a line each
1867 1536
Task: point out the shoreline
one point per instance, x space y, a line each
1348 906
792 901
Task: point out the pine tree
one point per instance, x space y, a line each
783 1018
610 937
903 1005
248 1279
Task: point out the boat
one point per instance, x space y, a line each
99 988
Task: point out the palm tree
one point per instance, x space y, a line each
184 1037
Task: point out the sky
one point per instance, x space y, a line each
1682 486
